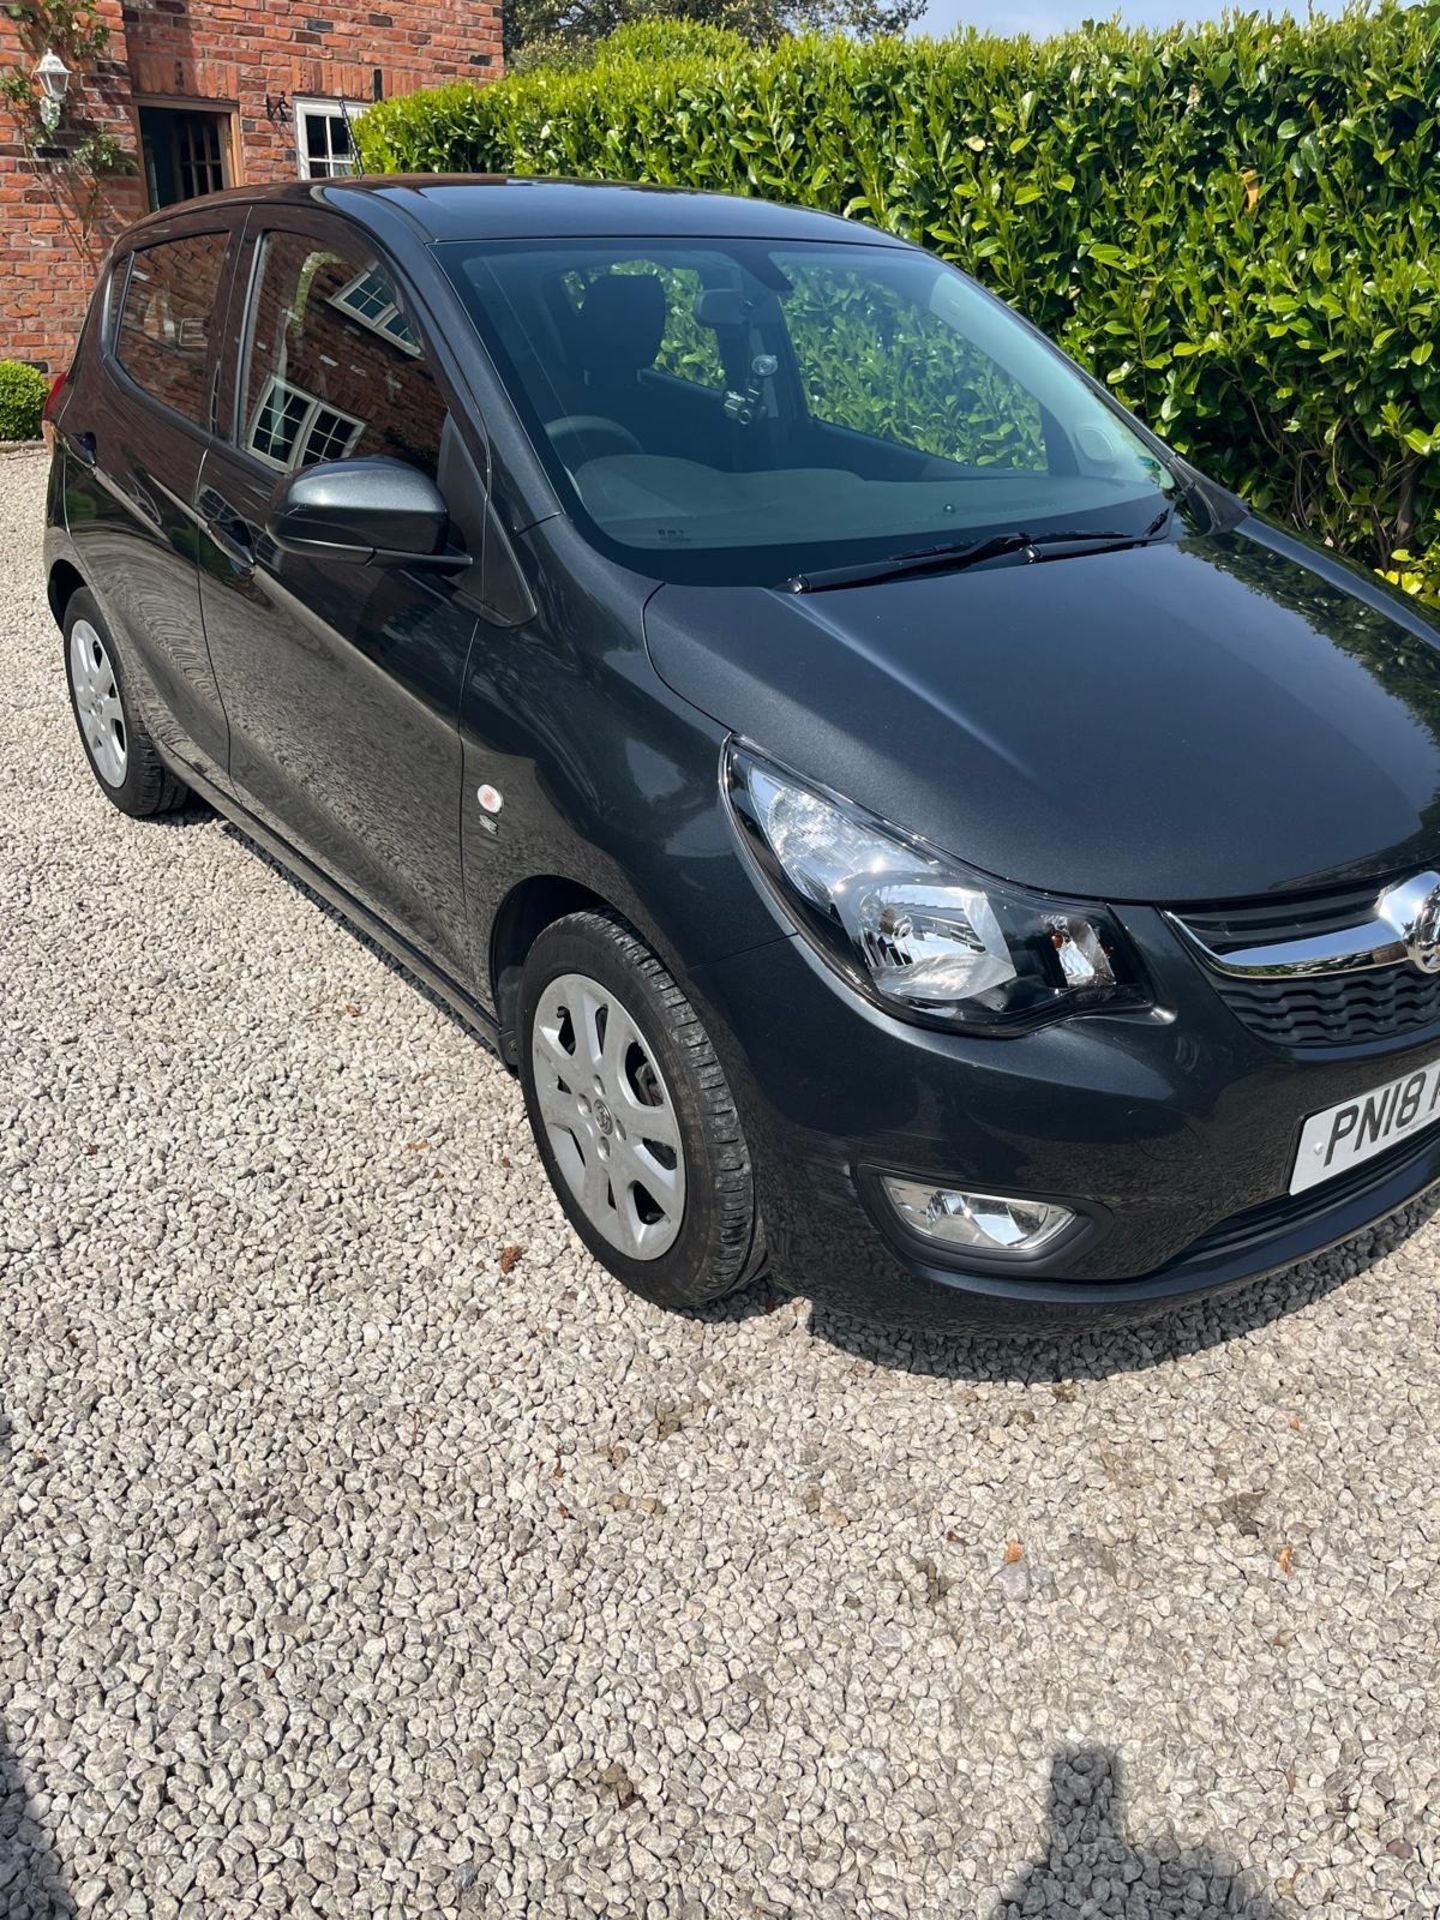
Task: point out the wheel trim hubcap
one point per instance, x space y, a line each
97 701
608 1116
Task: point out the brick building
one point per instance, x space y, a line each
199 94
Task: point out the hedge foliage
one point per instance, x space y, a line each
23 393
1236 225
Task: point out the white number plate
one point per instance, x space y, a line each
1358 1129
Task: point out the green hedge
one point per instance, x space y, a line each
1237 226
23 393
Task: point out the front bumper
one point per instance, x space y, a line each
1173 1134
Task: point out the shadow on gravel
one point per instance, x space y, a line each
336 918
31 1887
194 812
1090 1865
30 1884
1097 1354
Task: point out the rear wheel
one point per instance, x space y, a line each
117 742
633 1117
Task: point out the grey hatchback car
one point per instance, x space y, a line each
902 824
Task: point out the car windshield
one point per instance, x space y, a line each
739 410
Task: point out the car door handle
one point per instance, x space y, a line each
229 531
82 445
232 542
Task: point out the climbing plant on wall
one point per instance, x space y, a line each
75 158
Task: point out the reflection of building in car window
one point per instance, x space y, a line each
335 370
163 332
369 298
292 428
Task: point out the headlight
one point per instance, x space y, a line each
909 926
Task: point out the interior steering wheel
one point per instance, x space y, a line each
578 437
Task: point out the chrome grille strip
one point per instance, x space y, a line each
1351 950
1383 941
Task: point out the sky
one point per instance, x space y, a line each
1041 17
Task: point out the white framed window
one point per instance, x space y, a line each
368 298
322 138
291 428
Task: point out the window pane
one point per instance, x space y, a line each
163 337
875 360
368 296
688 350
329 437
324 140
334 369
844 401
281 414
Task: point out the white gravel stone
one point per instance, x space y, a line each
343 1574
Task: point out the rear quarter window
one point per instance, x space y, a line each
167 315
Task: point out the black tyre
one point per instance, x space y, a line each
117 742
633 1117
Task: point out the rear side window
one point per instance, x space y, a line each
163 336
333 367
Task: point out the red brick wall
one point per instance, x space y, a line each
225 53
48 258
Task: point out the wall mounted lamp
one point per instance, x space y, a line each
54 77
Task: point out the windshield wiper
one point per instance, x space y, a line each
955 555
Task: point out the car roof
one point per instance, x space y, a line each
503 207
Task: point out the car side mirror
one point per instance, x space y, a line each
375 511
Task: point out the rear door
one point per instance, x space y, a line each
136 429
341 682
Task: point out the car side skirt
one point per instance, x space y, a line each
476 1017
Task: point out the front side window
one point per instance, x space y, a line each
322 139
162 338
847 402
333 368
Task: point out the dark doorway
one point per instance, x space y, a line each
187 152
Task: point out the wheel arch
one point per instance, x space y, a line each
525 912
64 581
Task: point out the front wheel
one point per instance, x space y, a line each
633 1117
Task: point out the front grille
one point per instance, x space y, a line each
1321 1009
1336 1009
1264 923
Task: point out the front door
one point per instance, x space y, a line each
341 682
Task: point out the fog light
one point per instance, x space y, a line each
985 1222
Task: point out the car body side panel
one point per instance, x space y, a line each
132 471
607 778
342 685
342 682
135 533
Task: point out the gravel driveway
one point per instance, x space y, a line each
364 1549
